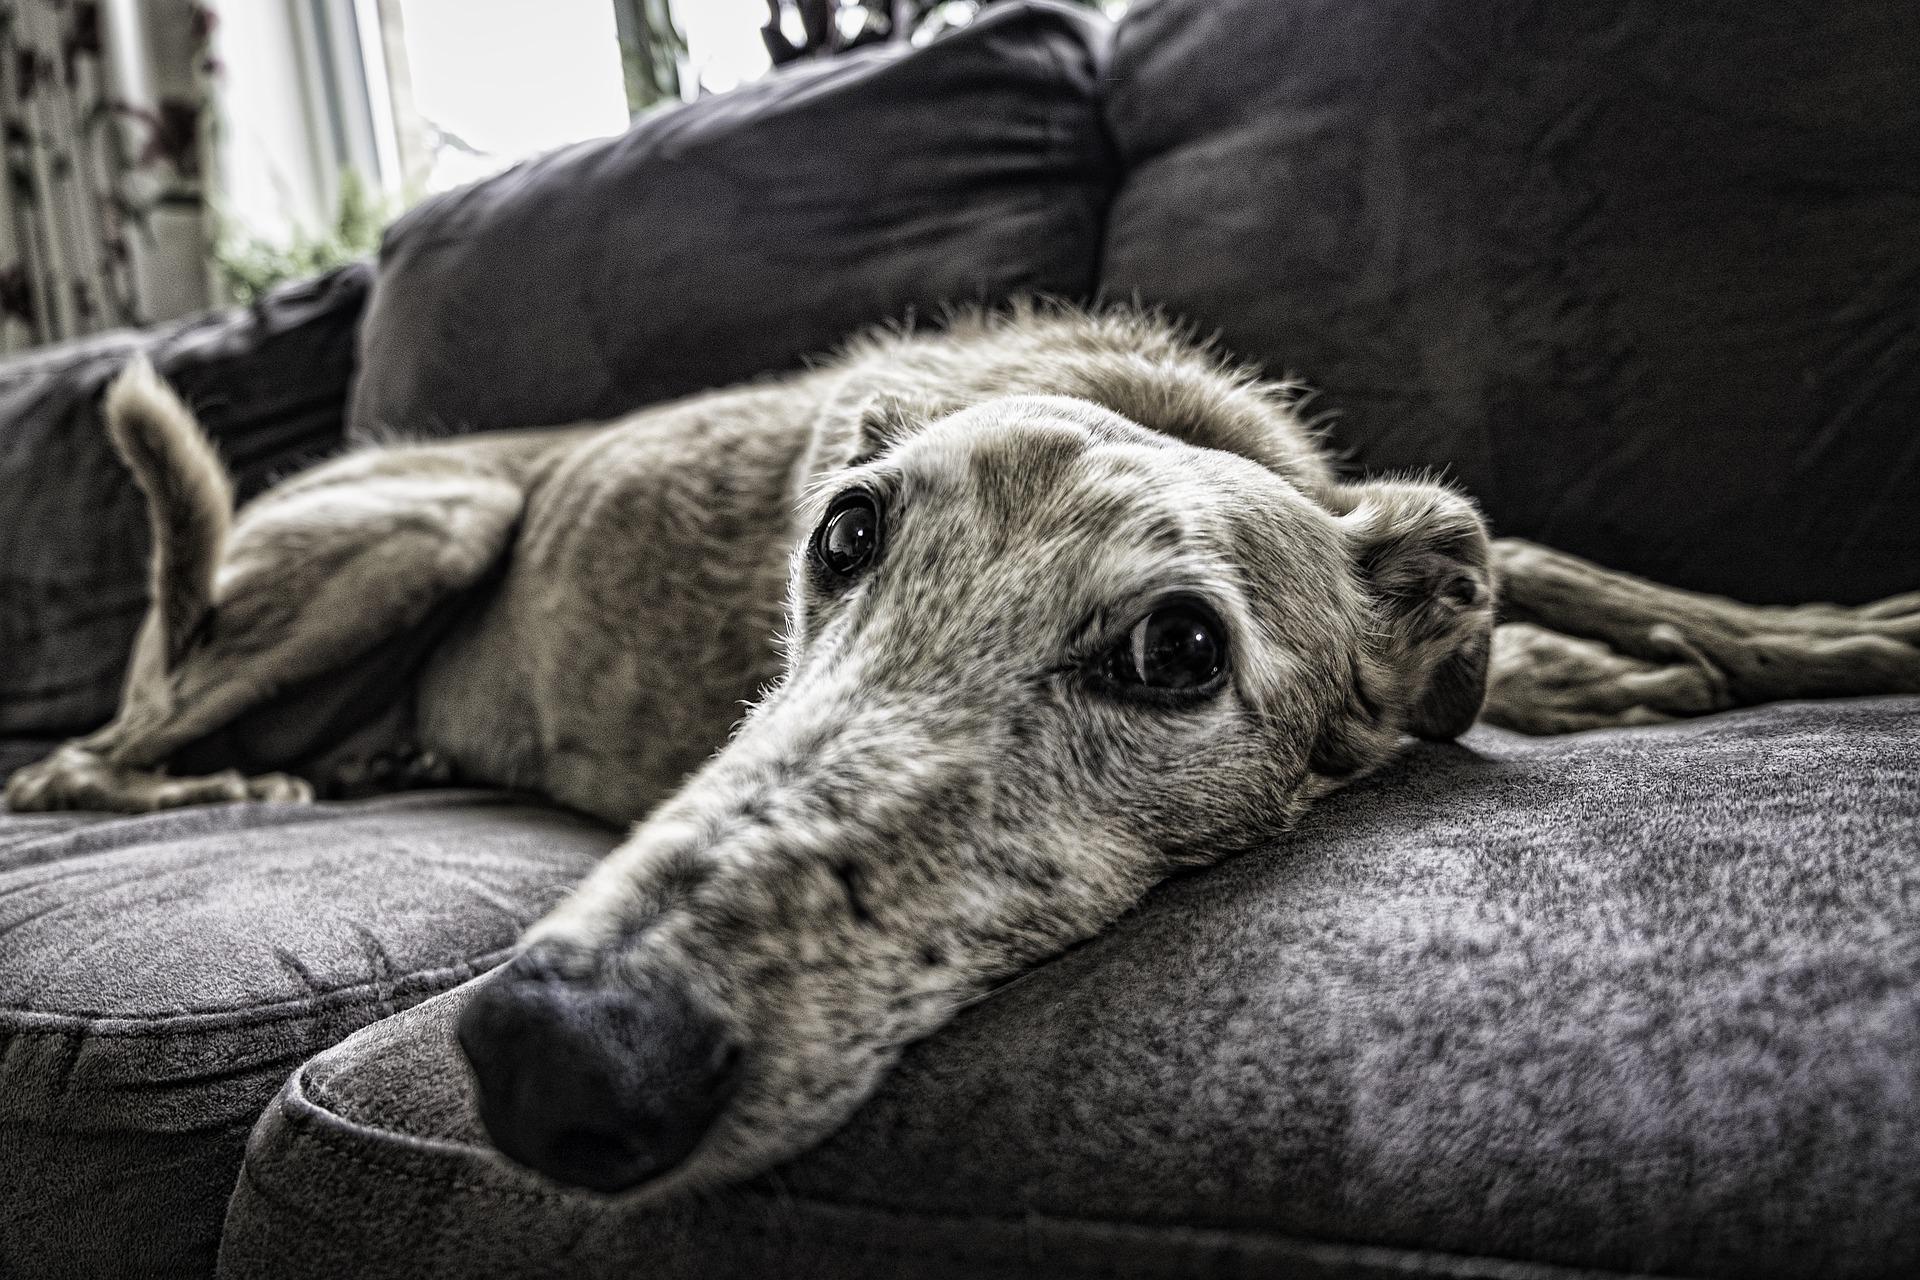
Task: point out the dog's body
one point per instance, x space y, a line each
1073 604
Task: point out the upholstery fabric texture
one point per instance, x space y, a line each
269 382
736 235
1641 278
161 975
1645 1001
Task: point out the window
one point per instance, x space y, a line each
477 85
327 106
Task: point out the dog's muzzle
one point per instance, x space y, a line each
594 1085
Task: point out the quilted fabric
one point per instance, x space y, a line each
161 975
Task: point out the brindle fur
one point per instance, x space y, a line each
924 797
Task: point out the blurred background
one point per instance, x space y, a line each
164 156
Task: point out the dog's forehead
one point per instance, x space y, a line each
1059 467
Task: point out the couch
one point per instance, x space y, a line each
1640 278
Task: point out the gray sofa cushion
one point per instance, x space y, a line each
269 382
161 975
1627 1001
719 240
1641 278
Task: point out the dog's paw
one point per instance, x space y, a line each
62 780
159 791
30 789
279 788
73 778
1902 611
383 772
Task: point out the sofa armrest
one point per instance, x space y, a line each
270 382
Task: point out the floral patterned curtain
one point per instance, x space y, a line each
103 220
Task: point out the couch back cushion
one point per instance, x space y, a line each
268 382
1642 278
738 234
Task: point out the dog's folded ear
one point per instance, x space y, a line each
885 420
1421 551
856 425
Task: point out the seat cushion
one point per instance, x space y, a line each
1640 277
741 233
160 976
1637 1001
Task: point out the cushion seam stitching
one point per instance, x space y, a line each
14 1022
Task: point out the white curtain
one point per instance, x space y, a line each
103 222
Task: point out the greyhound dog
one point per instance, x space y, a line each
1026 615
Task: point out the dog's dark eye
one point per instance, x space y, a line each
1177 648
849 538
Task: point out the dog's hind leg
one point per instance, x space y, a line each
1541 681
313 576
1582 646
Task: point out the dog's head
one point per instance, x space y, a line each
1037 657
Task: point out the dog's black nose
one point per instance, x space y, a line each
594 1085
